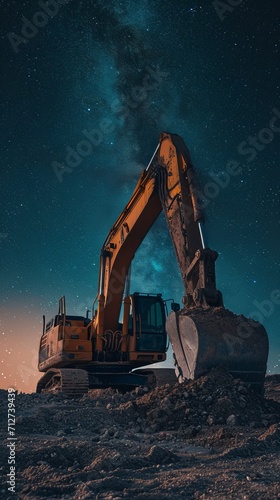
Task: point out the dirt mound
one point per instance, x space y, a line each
215 399
272 387
203 437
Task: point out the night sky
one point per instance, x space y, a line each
123 71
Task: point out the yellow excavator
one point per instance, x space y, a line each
130 331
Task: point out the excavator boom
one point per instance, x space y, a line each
166 184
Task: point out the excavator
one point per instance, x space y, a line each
128 332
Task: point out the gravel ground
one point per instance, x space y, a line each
210 438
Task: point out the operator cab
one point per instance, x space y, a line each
149 322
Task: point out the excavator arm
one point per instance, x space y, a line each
166 184
185 219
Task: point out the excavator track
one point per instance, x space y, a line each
73 382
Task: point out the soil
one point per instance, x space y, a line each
209 438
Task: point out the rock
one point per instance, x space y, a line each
158 455
232 420
220 434
154 414
242 389
153 427
139 391
210 420
253 425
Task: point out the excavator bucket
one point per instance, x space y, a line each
217 338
